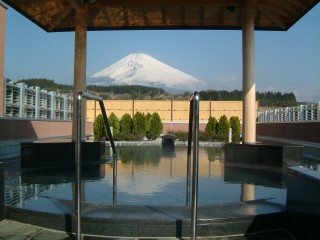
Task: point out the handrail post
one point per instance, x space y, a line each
78 169
78 155
194 207
104 114
189 153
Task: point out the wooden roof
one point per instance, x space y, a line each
58 15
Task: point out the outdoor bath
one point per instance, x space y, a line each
151 194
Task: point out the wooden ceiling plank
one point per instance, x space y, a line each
106 11
258 19
164 16
58 20
293 2
145 16
222 14
126 17
183 16
279 10
202 16
272 18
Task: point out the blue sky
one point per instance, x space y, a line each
285 61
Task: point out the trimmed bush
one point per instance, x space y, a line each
133 136
99 129
203 136
181 135
236 128
223 129
114 123
211 128
126 124
139 124
148 116
155 126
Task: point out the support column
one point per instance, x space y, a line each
3 12
80 60
249 85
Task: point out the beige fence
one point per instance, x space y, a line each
169 110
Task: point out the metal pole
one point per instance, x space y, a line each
78 155
194 207
109 132
78 169
189 153
114 193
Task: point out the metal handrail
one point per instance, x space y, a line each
194 135
78 149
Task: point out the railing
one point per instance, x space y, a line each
22 101
309 112
193 141
78 193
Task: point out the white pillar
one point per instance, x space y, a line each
22 101
80 58
249 85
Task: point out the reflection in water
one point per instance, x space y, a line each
146 176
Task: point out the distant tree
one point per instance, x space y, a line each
236 128
104 96
46 84
99 130
155 127
211 128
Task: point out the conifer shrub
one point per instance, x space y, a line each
99 129
154 126
236 128
211 128
223 129
114 123
148 116
139 125
126 124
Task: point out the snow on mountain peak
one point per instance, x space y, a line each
142 69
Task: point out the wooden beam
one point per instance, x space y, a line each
77 5
136 3
58 20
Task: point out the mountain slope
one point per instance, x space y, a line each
142 69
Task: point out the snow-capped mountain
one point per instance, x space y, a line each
142 69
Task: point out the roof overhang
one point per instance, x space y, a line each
59 15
